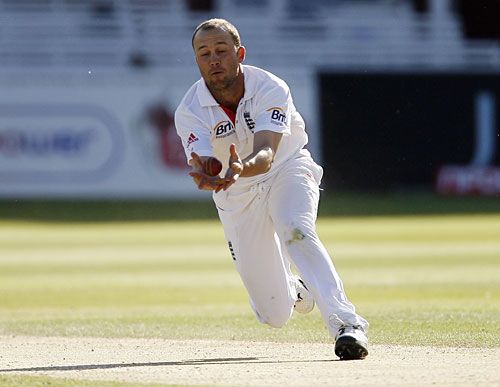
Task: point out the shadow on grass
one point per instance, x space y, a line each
332 204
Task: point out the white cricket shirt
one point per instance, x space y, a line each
205 128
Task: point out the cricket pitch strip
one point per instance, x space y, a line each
242 363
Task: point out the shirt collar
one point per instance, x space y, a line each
206 98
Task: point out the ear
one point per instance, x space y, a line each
241 54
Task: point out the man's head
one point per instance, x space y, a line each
218 52
221 24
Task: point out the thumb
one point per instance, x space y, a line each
232 150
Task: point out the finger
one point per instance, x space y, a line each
195 174
228 184
231 181
196 159
207 182
214 180
200 183
199 179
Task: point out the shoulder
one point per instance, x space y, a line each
265 82
267 88
264 78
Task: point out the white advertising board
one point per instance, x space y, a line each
103 135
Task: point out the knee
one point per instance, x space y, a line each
278 320
300 230
275 317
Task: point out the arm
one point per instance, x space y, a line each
265 146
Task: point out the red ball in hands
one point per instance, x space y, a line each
212 166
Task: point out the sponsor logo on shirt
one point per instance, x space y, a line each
223 129
192 138
278 116
250 123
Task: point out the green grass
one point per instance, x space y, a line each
423 270
332 204
419 280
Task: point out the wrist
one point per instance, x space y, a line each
246 167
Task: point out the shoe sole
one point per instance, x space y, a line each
313 303
301 311
348 348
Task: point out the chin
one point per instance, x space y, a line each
221 84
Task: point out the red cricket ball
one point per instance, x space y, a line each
212 166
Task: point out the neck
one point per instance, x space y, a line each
230 97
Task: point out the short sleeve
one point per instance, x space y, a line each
195 136
273 110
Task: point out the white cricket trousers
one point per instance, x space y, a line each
273 223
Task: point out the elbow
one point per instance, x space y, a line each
268 161
258 168
262 166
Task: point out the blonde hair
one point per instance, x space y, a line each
222 24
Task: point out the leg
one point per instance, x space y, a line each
256 251
293 206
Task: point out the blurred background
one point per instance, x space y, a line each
397 95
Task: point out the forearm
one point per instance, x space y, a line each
258 163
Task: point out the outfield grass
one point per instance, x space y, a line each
332 204
419 280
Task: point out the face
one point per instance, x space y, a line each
218 58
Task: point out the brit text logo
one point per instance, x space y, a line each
223 129
278 116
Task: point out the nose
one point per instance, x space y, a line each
214 59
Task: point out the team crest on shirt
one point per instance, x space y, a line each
223 129
278 116
250 123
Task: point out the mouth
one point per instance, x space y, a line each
216 72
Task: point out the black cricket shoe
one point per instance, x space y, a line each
351 343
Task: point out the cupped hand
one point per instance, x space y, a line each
201 179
